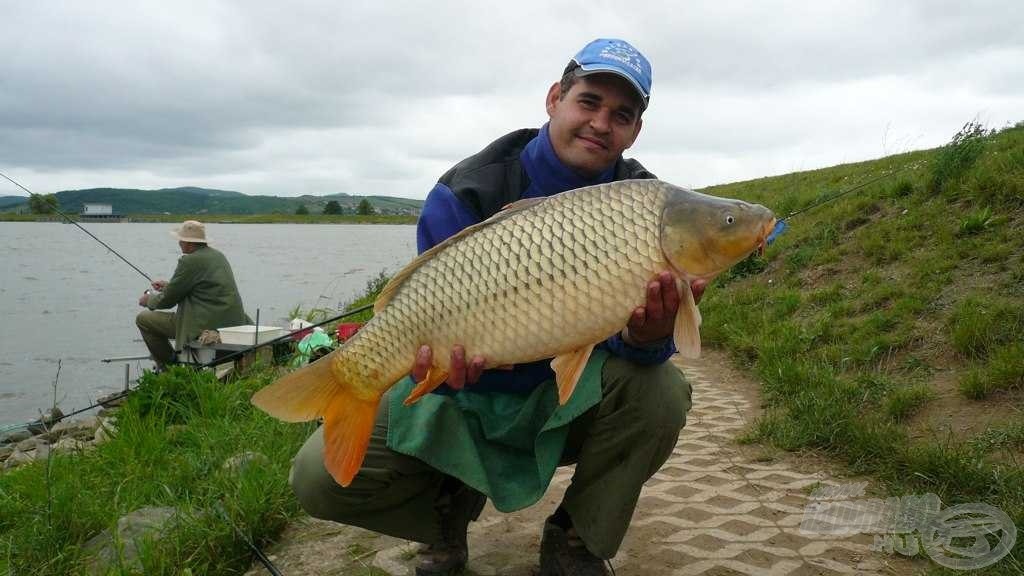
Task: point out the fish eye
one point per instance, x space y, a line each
729 219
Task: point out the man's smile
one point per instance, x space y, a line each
592 142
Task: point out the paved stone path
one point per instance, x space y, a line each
713 509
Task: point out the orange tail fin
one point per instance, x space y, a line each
348 424
315 391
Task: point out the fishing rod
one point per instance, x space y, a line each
267 563
71 221
211 364
781 225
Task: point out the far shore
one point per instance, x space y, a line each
231 218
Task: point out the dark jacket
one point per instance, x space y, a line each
521 164
203 288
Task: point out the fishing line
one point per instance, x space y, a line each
221 360
782 224
70 221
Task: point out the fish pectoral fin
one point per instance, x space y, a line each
687 328
348 424
435 377
568 369
300 395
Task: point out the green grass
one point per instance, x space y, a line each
854 310
904 402
1004 370
981 322
174 434
976 222
1011 436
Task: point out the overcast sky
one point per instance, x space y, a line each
317 97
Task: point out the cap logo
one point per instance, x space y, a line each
623 53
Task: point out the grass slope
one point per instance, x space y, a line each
873 307
174 436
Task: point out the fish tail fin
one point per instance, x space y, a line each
315 391
300 395
348 425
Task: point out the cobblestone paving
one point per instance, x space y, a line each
711 510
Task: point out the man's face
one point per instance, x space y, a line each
594 123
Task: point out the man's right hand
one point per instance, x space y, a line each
159 285
460 372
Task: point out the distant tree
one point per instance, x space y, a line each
302 210
365 208
332 207
42 203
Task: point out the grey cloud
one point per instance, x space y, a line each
320 97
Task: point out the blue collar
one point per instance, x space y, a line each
548 175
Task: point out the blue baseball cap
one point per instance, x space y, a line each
618 57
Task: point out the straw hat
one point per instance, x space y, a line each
190 231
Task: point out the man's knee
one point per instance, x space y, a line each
153 321
659 393
313 486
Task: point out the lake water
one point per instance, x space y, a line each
63 296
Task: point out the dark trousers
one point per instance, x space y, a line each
157 329
616 446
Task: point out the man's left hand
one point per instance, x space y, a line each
655 320
144 299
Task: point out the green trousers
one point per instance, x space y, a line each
616 446
157 328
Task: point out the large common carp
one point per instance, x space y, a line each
544 278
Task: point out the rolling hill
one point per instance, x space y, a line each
193 200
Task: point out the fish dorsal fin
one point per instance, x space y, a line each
402 275
687 328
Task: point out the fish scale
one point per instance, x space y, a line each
545 278
563 265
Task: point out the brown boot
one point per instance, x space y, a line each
443 559
457 505
562 553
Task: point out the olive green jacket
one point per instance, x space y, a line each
203 288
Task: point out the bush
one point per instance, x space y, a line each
902 188
957 157
365 208
332 207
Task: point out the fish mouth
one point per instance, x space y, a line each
762 240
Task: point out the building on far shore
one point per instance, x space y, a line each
94 212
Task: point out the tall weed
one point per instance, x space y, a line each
957 157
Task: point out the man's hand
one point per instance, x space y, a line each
460 372
144 299
159 285
655 320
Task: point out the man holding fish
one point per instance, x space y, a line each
604 279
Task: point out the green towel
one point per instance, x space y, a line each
507 446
